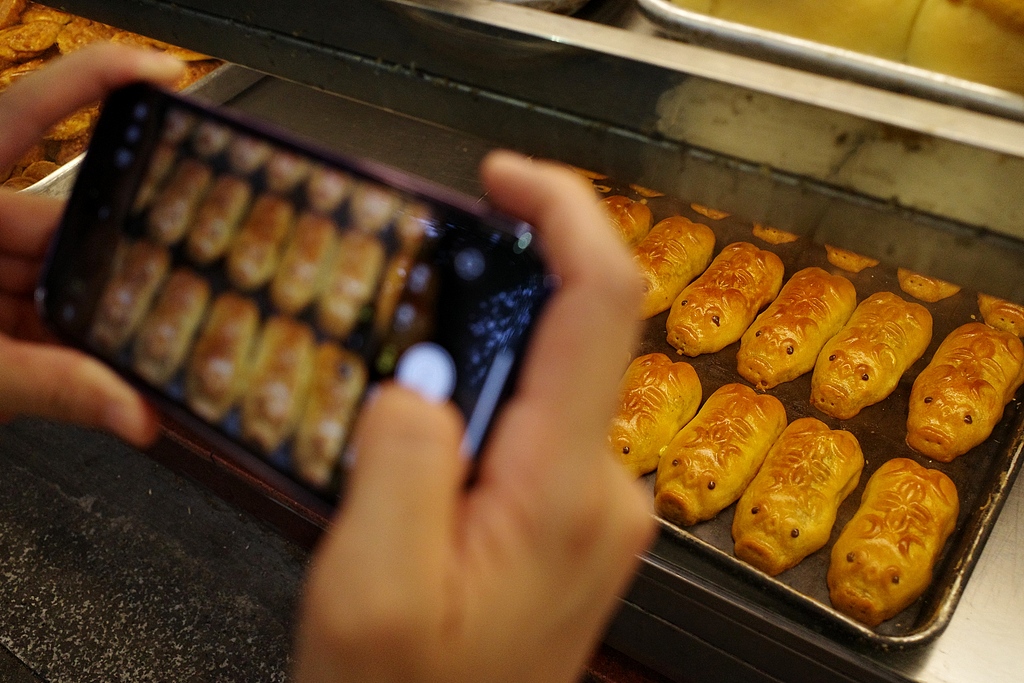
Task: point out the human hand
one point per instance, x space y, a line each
513 579
37 376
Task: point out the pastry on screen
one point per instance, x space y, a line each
210 138
708 464
630 219
784 341
885 555
392 284
327 188
159 166
167 332
256 250
247 154
715 310
1002 314
173 208
284 170
656 398
849 261
925 288
373 207
217 219
303 268
789 509
352 278
139 268
675 251
959 398
864 362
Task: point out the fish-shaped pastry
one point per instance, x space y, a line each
784 341
885 555
675 251
862 364
716 309
631 220
656 398
959 398
708 464
788 511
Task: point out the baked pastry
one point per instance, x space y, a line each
863 363
675 251
139 269
373 207
789 509
773 235
784 341
256 250
1002 314
160 164
216 371
980 40
217 219
339 380
708 464
959 398
715 309
885 555
708 212
412 225
303 268
178 125
282 368
210 138
166 334
656 398
392 285
930 289
173 208
847 260
351 282
247 154
632 220
327 188
284 170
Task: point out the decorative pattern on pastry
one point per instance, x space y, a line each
284 170
373 207
849 261
281 372
257 249
1002 314
708 464
884 557
862 364
675 251
139 270
216 371
339 379
656 398
959 398
217 219
716 308
172 210
327 188
784 342
773 235
632 220
788 511
351 281
303 267
925 288
167 331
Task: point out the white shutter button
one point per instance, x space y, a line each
427 369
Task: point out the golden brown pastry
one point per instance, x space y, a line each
36 12
23 42
210 138
216 372
247 154
178 125
303 267
715 309
392 285
708 464
138 271
1002 314
708 212
281 372
884 557
773 235
784 341
656 398
632 220
167 331
351 282
863 363
412 225
11 12
788 511
849 261
959 398
175 205
925 288
257 248
373 207
339 380
284 170
675 251
327 188
217 219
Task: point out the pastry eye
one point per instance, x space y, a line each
864 377
754 510
711 486
896 579
683 302
968 419
789 350
625 450
832 357
927 399
850 557
715 320
758 333
675 463
794 533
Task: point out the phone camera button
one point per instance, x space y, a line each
141 111
132 134
427 369
123 158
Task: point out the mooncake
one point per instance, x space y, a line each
352 279
847 260
925 288
788 511
631 220
138 272
715 310
885 555
257 248
784 341
217 219
656 398
710 462
303 268
166 334
173 208
1002 314
674 252
373 207
864 362
959 398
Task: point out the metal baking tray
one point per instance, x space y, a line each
701 29
557 6
983 476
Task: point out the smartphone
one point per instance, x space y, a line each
255 287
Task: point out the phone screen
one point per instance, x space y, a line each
259 286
